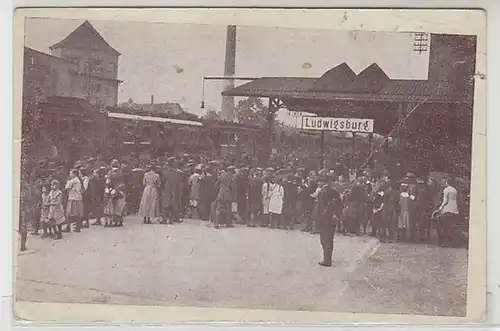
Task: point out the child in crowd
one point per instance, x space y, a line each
56 210
44 212
121 205
109 203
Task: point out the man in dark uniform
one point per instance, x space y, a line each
241 182
329 210
171 193
186 172
135 189
421 210
207 193
226 192
354 213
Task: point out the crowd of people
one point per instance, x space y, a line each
284 196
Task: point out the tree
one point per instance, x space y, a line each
252 111
211 115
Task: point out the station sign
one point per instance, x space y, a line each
337 124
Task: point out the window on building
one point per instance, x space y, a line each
86 67
75 63
97 65
107 90
146 132
110 67
32 60
98 88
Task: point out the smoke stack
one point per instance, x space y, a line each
152 99
227 109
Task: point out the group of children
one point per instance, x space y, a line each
99 196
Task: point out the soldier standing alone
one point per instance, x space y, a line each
329 210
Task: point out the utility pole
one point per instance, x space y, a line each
227 109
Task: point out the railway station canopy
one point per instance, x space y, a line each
446 94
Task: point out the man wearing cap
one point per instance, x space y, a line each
225 195
241 182
171 193
354 213
411 180
329 210
195 191
207 192
307 203
98 181
289 201
185 171
255 196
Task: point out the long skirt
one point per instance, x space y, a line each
109 208
74 208
56 215
149 206
121 207
449 233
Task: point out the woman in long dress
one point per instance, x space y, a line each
404 212
276 203
448 234
149 207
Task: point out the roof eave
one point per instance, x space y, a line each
110 50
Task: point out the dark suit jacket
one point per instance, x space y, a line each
329 204
226 188
171 193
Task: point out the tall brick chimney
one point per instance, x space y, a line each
227 109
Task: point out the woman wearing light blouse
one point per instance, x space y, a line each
448 221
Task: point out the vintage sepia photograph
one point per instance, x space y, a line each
246 167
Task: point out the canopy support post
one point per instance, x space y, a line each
370 157
322 149
353 155
275 104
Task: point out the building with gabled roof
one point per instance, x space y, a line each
94 65
85 37
65 94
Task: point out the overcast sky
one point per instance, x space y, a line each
151 51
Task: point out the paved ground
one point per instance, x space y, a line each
410 279
190 264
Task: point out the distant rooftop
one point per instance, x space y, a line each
450 79
85 37
166 108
